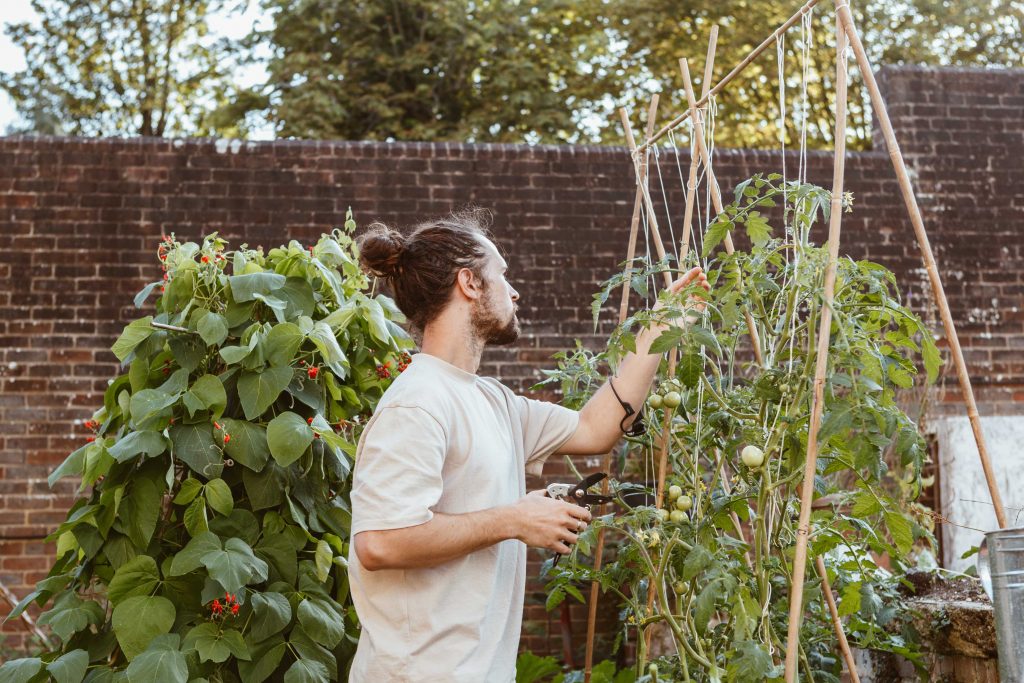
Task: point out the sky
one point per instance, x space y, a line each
13 59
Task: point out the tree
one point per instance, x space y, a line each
121 67
430 69
556 71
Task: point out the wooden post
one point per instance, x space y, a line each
820 364
844 645
716 195
623 313
910 200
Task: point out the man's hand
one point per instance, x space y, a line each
543 522
693 276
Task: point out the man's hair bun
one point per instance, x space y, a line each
380 249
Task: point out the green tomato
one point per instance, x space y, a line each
684 503
674 492
784 388
752 456
679 517
673 399
653 670
662 514
679 587
654 401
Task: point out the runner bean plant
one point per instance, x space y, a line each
209 538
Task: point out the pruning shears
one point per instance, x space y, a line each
579 494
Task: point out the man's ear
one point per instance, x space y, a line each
469 284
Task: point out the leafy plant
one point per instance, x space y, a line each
531 669
718 557
211 537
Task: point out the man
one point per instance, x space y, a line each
440 515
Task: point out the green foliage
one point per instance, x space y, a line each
550 71
721 575
532 669
109 68
426 69
555 71
211 535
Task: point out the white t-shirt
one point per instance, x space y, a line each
446 440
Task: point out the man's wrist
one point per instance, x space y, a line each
646 337
505 523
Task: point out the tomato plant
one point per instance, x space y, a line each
720 570
210 538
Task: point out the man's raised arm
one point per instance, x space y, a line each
600 418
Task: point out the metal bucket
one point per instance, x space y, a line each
1001 569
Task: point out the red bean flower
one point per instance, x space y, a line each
312 372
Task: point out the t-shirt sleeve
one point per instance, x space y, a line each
397 477
546 426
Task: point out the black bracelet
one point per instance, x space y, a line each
639 427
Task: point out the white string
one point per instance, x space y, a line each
682 184
780 63
805 60
668 211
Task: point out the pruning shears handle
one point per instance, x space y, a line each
579 494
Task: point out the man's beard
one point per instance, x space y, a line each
491 330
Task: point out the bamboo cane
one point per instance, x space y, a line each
716 195
691 180
12 600
674 123
623 311
634 225
684 249
844 645
652 218
926 253
820 364
691 190
673 355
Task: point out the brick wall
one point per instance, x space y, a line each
80 220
